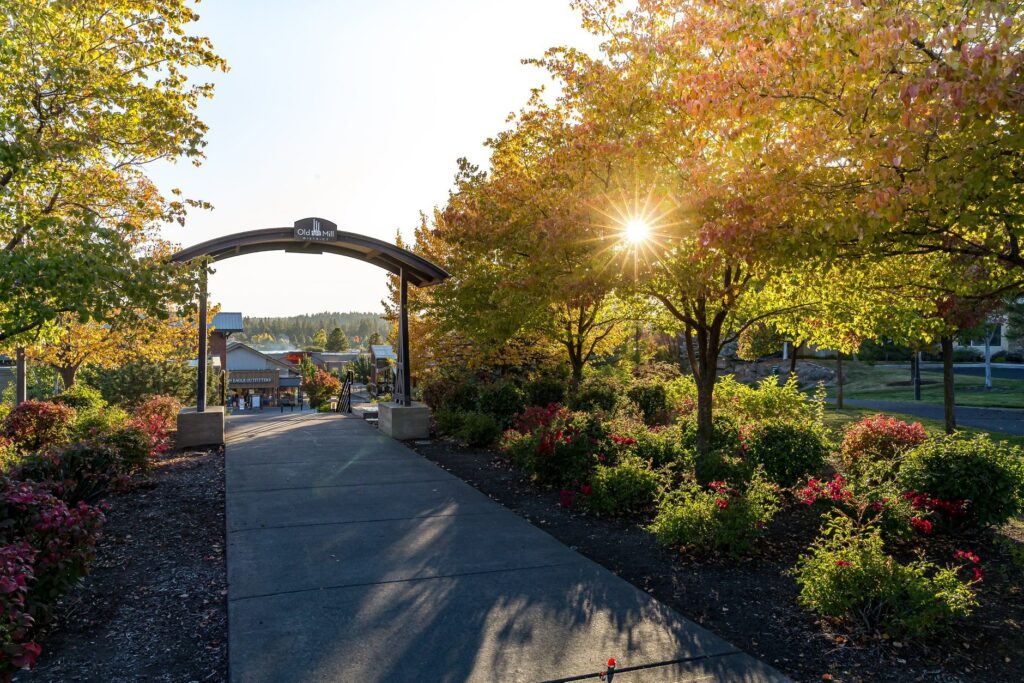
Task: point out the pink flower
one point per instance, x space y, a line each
966 555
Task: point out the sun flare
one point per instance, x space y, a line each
637 231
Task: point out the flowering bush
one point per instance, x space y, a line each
33 425
716 517
162 410
17 650
880 505
975 481
629 486
786 450
848 575
878 439
558 447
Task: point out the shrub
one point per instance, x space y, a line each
17 650
79 472
596 394
64 536
160 409
502 400
34 425
878 440
562 444
848 575
135 446
725 435
8 454
83 398
717 517
786 450
479 429
629 486
986 475
652 400
99 424
448 421
881 505
545 390
451 393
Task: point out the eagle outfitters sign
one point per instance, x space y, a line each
315 230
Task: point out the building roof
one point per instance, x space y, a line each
227 322
233 346
383 351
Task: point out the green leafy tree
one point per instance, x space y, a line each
91 92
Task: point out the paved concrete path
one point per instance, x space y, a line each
353 559
1006 420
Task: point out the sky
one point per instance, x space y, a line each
351 111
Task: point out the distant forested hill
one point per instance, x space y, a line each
297 331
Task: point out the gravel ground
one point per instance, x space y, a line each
154 607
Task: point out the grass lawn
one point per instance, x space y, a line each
866 381
837 419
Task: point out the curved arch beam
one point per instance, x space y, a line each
329 240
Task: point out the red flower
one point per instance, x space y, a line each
978 576
843 563
922 525
722 503
966 555
586 489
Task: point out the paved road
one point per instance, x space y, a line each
999 370
353 559
992 419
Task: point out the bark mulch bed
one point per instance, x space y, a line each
154 607
752 603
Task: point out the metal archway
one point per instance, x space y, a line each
318 236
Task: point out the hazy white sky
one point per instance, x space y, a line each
354 112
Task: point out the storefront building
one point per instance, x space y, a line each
256 380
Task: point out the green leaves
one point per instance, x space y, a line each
89 94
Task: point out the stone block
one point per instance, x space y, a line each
404 422
201 429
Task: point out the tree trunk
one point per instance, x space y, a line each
917 375
792 359
948 398
839 380
705 418
988 358
67 376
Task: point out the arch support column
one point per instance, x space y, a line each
203 340
404 393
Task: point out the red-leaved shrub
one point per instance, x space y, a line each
34 425
63 536
878 438
160 410
17 650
